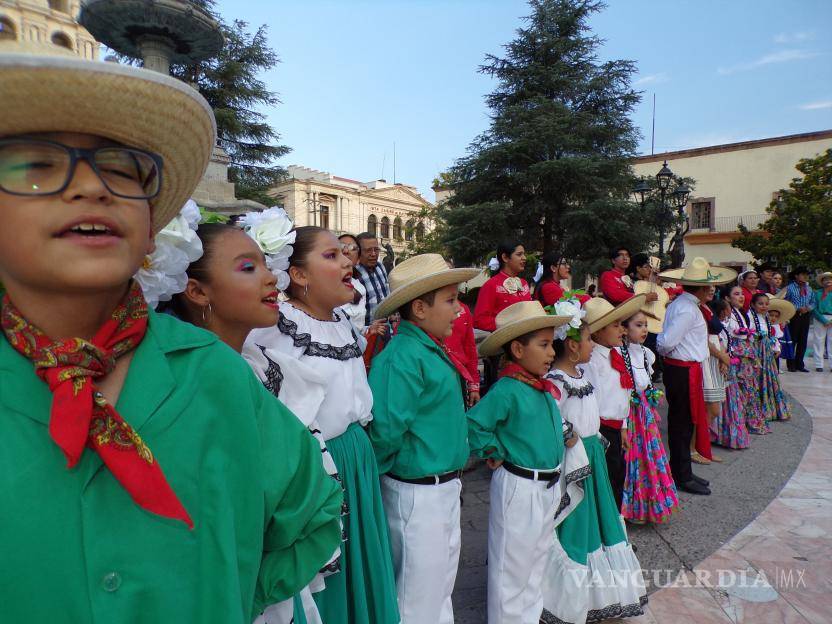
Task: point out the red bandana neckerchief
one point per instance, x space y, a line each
458 364
619 365
515 371
80 414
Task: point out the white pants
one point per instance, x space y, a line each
819 337
521 535
284 613
425 540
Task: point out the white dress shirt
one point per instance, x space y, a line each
685 334
613 400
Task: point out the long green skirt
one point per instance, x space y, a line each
364 591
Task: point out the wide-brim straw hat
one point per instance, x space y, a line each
700 273
600 312
783 306
419 275
823 276
516 320
46 89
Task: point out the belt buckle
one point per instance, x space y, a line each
436 479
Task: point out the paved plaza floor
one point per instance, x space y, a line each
757 550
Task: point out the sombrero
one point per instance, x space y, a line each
823 276
700 273
516 320
783 306
600 312
419 275
46 89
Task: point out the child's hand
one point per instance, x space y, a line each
571 442
473 398
625 440
493 463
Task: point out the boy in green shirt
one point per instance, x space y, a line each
419 435
145 474
518 428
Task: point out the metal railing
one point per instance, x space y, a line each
730 224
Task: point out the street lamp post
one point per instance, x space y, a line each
670 193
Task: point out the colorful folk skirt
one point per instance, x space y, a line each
728 428
774 402
364 591
649 490
593 573
748 381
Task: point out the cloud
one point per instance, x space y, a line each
783 56
651 79
795 37
817 105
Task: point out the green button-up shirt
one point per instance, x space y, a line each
76 548
418 427
519 424
823 306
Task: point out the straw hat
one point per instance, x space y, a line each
600 312
783 306
823 276
700 273
43 89
516 320
416 276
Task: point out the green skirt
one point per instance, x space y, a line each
364 591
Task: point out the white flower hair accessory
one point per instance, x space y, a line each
538 273
163 273
568 307
271 229
494 264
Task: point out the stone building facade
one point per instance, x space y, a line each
47 21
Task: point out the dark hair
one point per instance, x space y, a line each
560 345
352 236
406 311
549 259
725 291
364 236
209 234
524 340
617 250
638 260
591 290
626 322
718 305
757 296
304 242
357 296
506 247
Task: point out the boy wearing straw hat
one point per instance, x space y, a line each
147 475
419 433
684 345
518 427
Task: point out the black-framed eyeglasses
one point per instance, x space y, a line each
34 167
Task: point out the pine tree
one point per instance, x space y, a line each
798 230
555 159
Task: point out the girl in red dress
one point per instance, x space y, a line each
504 288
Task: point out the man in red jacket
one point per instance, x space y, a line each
615 284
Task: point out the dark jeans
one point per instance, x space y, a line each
616 466
799 329
679 422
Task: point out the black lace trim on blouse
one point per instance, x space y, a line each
573 391
318 349
274 376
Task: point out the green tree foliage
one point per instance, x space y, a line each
798 230
558 147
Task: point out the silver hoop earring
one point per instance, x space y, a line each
210 314
306 290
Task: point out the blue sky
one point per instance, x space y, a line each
357 76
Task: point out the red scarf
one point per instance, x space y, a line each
459 365
80 414
618 364
515 371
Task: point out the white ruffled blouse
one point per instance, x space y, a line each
315 368
642 360
578 404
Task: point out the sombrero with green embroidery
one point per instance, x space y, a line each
700 273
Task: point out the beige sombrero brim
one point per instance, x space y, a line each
493 344
420 286
133 106
822 277
720 276
620 312
784 307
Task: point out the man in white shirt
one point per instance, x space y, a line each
684 345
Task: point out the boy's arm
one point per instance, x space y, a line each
396 388
483 419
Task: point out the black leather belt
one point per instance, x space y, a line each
431 480
552 476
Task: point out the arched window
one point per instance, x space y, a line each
385 227
397 229
7 29
325 217
408 230
372 224
60 39
420 231
34 33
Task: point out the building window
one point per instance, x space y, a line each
325 217
408 230
702 214
59 5
397 229
372 224
34 34
385 227
60 39
420 231
7 30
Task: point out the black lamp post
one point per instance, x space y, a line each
670 193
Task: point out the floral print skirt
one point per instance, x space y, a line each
774 403
748 381
728 429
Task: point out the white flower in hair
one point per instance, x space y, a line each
569 307
162 273
494 264
271 230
